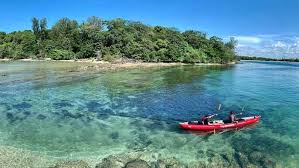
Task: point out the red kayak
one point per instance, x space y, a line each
219 124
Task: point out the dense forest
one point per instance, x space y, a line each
267 59
114 39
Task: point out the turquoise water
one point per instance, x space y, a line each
61 110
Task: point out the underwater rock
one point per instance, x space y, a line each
228 157
27 113
41 117
11 117
119 161
67 114
199 164
137 164
218 161
140 142
133 160
103 116
269 162
180 141
72 164
161 164
241 159
260 159
5 105
259 148
111 162
93 106
169 163
23 105
210 153
144 139
114 135
255 156
62 104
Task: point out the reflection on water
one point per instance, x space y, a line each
61 111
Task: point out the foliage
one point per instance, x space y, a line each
17 45
57 54
267 59
113 39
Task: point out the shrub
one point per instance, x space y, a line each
86 51
57 54
4 51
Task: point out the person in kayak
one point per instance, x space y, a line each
232 117
205 119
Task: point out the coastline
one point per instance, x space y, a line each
88 64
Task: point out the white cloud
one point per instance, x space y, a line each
240 45
279 44
248 39
275 46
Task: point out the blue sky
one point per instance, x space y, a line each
262 27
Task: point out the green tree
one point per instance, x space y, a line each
117 38
66 34
43 29
232 43
36 27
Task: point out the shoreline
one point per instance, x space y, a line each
88 64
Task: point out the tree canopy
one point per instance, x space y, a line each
114 39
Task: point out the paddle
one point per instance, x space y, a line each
241 111
219 107
218 110
215 114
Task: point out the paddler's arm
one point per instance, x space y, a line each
212 115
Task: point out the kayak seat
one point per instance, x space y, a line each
194 123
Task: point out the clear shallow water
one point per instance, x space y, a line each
56 109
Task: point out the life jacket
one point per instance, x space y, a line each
205 120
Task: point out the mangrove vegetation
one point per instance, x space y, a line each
114 39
